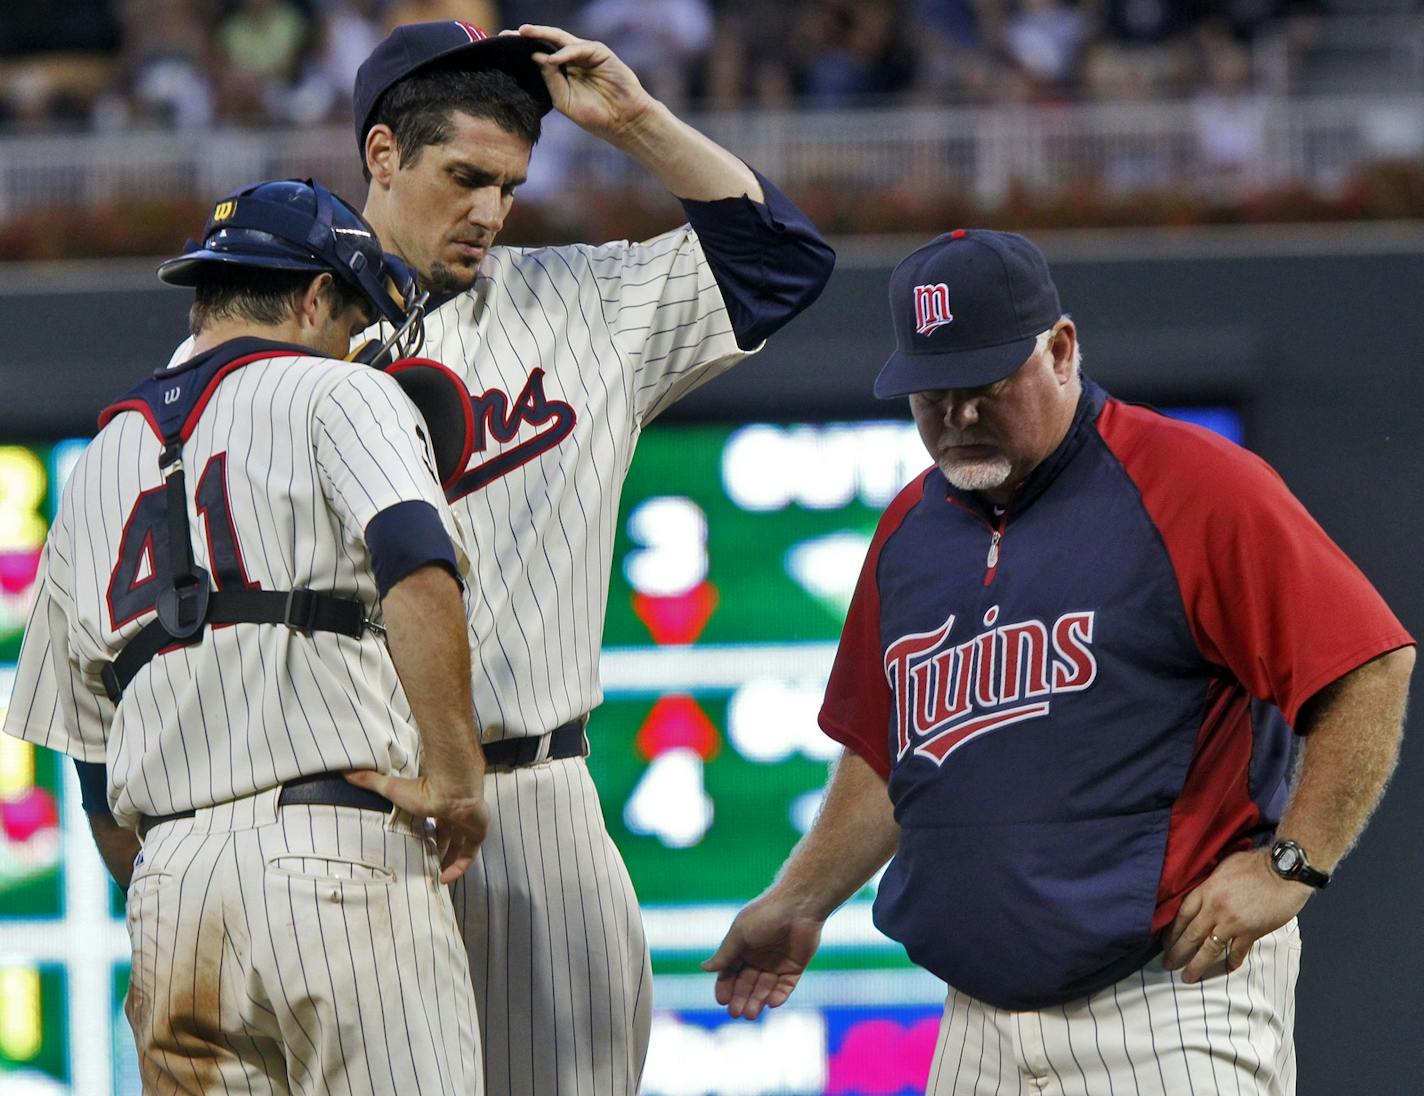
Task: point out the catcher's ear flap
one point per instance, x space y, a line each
444 402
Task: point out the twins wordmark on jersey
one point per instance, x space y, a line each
499 419
948 694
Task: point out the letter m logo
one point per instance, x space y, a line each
931 308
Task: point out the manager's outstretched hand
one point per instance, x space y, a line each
761 958
770 942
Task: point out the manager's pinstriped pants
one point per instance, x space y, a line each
1150 1034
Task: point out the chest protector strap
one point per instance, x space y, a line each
187 603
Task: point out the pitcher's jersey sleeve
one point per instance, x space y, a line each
371 453
666 315
1268 595
52 703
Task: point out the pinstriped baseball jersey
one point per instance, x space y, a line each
568 352
290 459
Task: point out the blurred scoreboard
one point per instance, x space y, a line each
738 547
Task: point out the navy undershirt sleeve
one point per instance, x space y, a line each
93 786
404 538
768 258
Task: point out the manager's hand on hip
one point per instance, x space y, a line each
1237 904
761 958
461 815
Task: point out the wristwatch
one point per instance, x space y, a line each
1288 860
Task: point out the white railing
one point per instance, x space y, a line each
980 154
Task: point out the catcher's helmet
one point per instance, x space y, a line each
297 224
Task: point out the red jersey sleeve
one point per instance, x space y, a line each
1268 595
857 707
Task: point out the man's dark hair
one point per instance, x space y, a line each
419 108
259 295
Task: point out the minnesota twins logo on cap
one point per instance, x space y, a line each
931 308
1003 299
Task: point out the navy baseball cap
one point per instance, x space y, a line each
967 307
414 46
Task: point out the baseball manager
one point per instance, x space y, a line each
1074 659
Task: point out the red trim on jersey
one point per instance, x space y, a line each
145 549
858 707
141 406
466 407
191 422
994 551
1214 813
1269 596
1270 599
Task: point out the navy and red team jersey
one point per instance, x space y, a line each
1083 703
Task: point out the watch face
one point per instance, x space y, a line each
1287 858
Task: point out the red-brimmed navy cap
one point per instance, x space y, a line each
413 46
967 307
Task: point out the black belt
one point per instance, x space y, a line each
565 741
323 789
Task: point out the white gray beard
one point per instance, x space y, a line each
978 475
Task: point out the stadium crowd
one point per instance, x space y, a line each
115 65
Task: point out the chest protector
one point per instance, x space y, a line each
172 403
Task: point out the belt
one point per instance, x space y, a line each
565 741
324 789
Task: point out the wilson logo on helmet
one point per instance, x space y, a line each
223 211
931 308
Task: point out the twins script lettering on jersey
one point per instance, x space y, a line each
494 417
947 694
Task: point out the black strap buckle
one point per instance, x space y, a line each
300 611
183 607
112 685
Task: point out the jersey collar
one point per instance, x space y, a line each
1090 403
240 347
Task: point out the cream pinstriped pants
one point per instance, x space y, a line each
309 949
1149 1034
557 953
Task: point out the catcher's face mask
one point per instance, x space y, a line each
404 312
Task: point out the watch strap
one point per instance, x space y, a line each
1302 872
